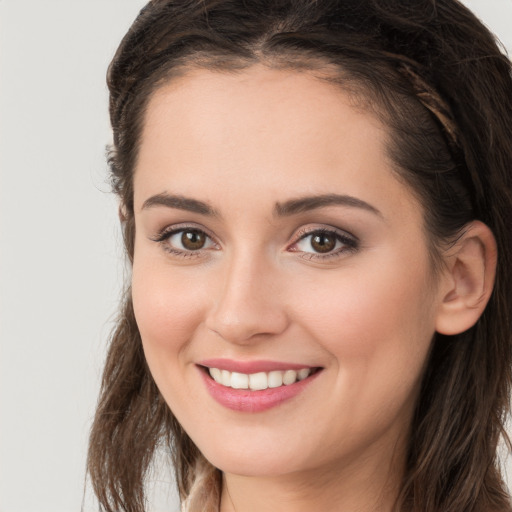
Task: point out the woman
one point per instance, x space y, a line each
315 199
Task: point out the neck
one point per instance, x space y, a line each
358 487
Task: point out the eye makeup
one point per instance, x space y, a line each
311 243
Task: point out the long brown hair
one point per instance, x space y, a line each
437 78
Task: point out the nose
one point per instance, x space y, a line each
249 303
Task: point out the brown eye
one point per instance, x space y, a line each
186 241
323 242
193 240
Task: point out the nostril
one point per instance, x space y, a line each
247 323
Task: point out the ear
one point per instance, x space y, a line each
468 279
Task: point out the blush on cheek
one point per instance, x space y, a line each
348 322
161 300
161 323
360 321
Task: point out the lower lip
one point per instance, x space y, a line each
244 400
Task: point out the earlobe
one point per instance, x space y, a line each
468 281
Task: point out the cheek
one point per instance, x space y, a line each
377 325
388 292
167 308
363 320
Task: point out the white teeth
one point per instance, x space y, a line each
302 374
226 378
239 380
216 375
275 379
289 377
258 381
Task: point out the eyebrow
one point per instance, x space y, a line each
304 204
180 203
291 207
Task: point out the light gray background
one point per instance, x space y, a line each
60 250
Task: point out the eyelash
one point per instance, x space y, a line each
349 242
164 236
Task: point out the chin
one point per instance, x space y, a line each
252 462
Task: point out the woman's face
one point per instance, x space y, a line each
275 243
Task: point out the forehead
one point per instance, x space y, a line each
286 132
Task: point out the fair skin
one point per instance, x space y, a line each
251 283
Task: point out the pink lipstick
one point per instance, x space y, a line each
255 386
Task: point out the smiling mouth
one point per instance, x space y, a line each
261 380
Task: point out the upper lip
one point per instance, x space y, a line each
251 366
